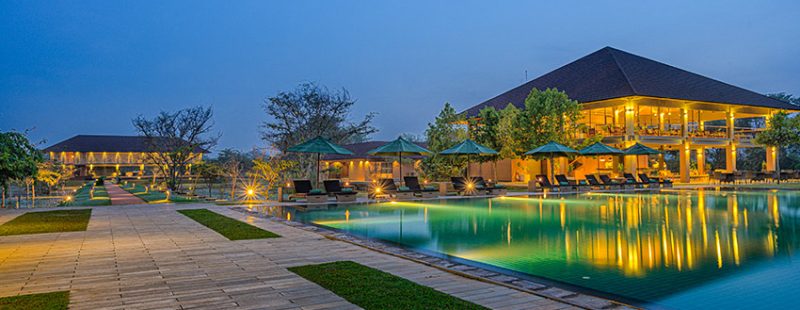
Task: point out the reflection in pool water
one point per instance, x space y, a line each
641 246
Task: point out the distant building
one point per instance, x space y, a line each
627 99
363 168
95 155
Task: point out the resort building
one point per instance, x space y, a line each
110 156
364 168
627 98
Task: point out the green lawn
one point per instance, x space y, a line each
153 196
228 227
374 289
82 197
44 301
47 222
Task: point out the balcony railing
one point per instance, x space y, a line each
668 130
708 132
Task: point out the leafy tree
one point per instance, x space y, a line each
234 164
309 111
509 141
550 115
209 172
782 130
18 160
446 131
176 139
273 171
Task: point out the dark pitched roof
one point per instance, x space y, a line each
360 151
611 73
95 143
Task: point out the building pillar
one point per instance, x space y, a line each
772 153
729 120
701 160
730 158
685 160
630 123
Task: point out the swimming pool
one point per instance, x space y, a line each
656 248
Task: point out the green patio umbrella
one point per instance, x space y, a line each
399 147
468 147
320 146
640 149
598 149
551 150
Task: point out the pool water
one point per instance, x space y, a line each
655 248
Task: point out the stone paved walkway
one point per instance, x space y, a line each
120 196
151 257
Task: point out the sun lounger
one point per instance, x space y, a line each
494 189
304 189
424 192
391 188
463 187
334 187
563 183
544 182
607 181
631 180
592 180
651 183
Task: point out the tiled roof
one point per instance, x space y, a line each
97 143
611 73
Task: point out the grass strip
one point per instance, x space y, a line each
153 196
47 222
44 301
374 289
83 196
228 227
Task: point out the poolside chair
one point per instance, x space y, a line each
651 183
334 187
424 192
544 182
389 187
631 180
607 181
462 186
304 189
563 182
494 189
592 180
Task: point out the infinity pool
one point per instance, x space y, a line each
677 249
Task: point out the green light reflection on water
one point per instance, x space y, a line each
641 246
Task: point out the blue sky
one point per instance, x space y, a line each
89 67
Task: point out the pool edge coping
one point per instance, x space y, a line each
549 291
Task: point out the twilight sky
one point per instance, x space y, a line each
89 67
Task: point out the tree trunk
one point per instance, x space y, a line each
4 196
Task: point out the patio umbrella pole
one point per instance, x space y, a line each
317 180
400 162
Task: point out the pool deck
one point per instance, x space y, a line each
151 257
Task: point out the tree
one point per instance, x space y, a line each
550 115
509 141
782 130
209 172
446 130
174 140
309 111
273 171
234 164
18 160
